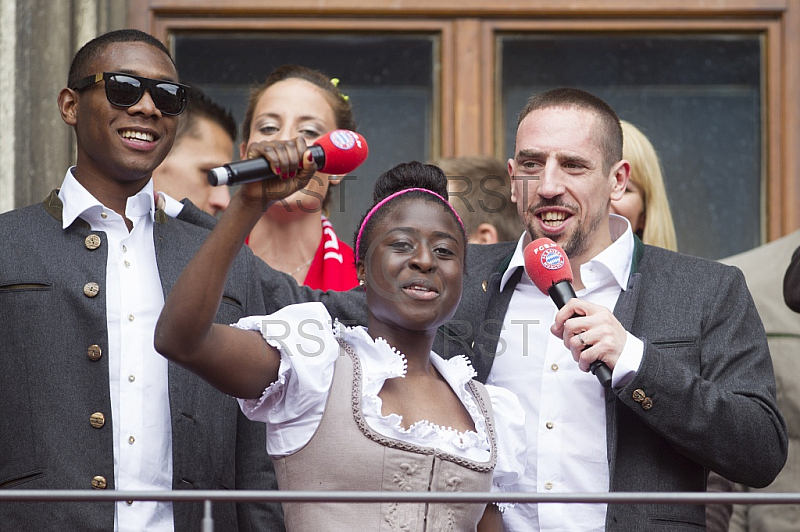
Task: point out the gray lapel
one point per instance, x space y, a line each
172 254
489 330
625 311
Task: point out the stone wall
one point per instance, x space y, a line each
36 147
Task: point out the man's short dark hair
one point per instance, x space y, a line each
568 97
94 48
200 106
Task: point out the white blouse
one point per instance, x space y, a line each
292 406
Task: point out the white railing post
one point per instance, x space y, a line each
208 521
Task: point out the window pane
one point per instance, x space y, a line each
389 79
697 98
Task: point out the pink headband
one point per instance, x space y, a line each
386 200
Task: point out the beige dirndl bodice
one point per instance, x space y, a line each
345 454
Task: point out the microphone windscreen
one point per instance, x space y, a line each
546 264
344 151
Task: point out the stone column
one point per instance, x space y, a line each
36 147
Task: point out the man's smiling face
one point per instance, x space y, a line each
560 186
122 144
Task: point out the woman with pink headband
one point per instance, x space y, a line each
355 408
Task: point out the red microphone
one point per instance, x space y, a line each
548 267
339 152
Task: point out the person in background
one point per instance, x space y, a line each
791 282
85 400
204 140
764 268
645 203
480 192
293 235
359 408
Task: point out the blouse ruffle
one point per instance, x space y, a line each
293 405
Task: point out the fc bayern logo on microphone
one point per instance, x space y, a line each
343 139
552 259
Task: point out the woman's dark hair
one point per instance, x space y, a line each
404 176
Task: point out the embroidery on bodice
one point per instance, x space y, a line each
358 415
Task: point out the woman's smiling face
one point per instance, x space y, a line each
288 109
414 266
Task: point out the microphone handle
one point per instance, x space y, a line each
562 292
257 169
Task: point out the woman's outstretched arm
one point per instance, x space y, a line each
237 362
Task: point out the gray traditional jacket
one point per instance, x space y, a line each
763 268
704 395
54 356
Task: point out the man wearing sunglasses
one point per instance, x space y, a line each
85 401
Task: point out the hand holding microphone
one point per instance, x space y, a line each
548 266
338 152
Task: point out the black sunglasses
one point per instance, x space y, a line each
124 90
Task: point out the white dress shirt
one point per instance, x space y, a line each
565 407
292 406
140 412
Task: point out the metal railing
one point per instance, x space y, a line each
208 497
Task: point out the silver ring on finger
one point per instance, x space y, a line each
583 342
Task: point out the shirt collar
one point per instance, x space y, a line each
517 261
168 204
615 259
80 203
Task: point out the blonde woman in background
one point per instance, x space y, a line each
645 202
